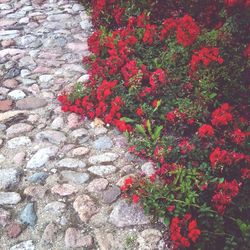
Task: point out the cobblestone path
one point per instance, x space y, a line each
59 175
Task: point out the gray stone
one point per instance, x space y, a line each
31 103
4 217
103 143
57 123
55 137
71 163
8 34
125 214
25 245
75 239
49 234
39 177
58 17
85 207
45 78
18 142
2 159
25 72
74 177
55 207
9 178
28 39
27 82
13 72
97 185
111 194
148 168
42 156
19 158
80 151
103 158
102 170
28 215
36 191
18 129
9 198
79 134
64 189
149 238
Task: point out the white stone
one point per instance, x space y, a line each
71 163
16 94
45 78
42 156
103 158
18 142
9 198
102 170
25 245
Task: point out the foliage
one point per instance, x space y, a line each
174 75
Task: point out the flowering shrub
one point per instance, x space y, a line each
173 75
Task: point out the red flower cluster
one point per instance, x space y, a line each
129 71
156 78
175 116
238 136
94 42
127 184
224 157
185 146
224 194
205 131
245 173
187 31
183 232
167 26
150 34
222 115
205 56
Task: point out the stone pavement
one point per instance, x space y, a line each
59 175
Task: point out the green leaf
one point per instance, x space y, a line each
141 130
127 119
149 127
157 132
212 95
166 221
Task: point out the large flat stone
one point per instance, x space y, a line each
31 103
125 214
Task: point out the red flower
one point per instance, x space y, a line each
182 231
245 173
222 116
152 177
187 31
206 56
129 181
219 156
171 208
139 111
171 117
167 26
224 194
135 198
238 136
185 146
149 34
205 130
